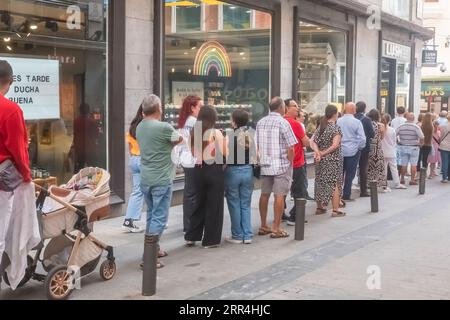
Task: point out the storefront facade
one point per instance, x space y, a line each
435 96
104 56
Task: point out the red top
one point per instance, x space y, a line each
299 158
14 137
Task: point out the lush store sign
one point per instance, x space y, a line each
36 87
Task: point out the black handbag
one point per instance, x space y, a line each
257 171
10 177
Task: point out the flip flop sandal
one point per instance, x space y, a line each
264 231
162 254
338 214
342 204
159 265
320 211
279 234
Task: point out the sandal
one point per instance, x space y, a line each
320 211
279 234
264 231
162 254
159 265
338 214
342 204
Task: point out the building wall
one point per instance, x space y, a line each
138 64
437 15
366 63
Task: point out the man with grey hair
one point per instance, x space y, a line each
156 140
443 118
276 142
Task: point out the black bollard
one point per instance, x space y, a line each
422 181
300 208
374 196
150 261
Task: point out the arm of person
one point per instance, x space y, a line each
336 143
369 128
173 136
382 130
221 142
315 148
303 137
16 142
361 136
421 136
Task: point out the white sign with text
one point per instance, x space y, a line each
181 90
36 87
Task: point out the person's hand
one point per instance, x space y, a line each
317 156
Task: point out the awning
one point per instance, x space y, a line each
436 89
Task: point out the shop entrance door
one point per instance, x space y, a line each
388 84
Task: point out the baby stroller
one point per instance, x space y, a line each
68 250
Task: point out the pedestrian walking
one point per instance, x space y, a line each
136 199
326 144
208 147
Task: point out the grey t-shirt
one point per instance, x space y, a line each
155 139
409 134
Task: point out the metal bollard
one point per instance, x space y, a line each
150 261
300 208
422 181
374 196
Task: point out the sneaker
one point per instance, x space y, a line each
129 226
248 241
284 217
233 241
310 198
213 246
386 190
413 183
290 222
401 187
444 181
190 243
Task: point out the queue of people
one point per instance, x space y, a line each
222 166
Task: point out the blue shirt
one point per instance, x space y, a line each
353 136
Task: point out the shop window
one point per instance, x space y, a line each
398 8
60 81
235 17
227 68
188 18
322 68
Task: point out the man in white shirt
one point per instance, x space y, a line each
399 119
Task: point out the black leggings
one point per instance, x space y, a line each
423 157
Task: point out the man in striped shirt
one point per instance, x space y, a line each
410 138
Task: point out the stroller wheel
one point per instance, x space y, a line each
107 270
59 283
28 273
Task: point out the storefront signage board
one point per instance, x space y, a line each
396 51
429 57
36 87
181 90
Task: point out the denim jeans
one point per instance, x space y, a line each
158 203
136 200
445 164
238 192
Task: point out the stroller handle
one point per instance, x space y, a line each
62 202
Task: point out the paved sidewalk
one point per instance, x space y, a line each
408 240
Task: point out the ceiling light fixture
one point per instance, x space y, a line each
9 48
7 39
33 27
